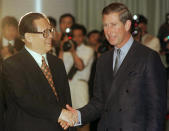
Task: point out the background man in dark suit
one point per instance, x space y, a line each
35 82
130 82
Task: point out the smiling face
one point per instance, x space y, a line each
37 42
116 32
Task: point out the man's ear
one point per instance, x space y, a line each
127 25
28 37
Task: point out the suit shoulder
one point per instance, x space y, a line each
106 55
105 58
144 55
55 59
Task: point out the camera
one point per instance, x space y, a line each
68 44
135 30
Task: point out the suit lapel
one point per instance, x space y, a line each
121 75
109 68
35 72
128 62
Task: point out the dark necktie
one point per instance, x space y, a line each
48 75
117 61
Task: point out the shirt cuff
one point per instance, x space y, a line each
79 123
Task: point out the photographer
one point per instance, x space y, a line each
135 29
164 32
147 39
65 21
78 60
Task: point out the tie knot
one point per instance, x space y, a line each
43 60
118 51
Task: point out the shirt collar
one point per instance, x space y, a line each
37 56
126 47
6 42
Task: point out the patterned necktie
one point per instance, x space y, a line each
117 61
48 75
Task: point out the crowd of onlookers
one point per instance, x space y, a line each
80 49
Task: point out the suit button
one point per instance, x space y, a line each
120 110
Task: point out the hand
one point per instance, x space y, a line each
72 49
67 118
74 111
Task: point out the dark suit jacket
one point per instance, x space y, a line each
2 103
135 98
31 103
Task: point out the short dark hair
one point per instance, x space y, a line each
67 15
142 19
52 21
120 8
9 21
26 23
93 32
79 27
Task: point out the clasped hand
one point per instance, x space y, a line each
68 117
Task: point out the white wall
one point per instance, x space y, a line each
53 8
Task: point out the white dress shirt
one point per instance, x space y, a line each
37 57
124 51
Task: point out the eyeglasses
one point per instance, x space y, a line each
47 32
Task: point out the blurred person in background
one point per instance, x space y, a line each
55 40
10 43
78 61
94 42
164 32
93 39
163 35
65 21
148 39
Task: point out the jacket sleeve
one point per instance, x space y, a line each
156 87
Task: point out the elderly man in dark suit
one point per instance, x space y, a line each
130 83
35 82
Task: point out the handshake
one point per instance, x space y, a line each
68 117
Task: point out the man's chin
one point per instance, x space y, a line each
48 48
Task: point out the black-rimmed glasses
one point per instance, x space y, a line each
47 32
